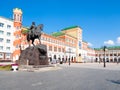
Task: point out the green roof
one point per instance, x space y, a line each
109 48
57 34
97 48
114 47
69 28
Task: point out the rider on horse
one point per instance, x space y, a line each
32 29
34 33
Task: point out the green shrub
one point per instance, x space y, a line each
5 67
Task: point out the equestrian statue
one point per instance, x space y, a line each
34 33
36 55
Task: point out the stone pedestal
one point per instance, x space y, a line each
36 55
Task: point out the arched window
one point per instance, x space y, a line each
14 16
20 18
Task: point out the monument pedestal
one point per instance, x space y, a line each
36 55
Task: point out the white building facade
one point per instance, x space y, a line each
6 39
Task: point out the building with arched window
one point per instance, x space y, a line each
111 54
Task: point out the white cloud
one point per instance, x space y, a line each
90 44
118 40
109 42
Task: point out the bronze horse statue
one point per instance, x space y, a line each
35 34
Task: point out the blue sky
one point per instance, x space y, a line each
99 19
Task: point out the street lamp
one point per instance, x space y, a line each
69 55
117 56
104 49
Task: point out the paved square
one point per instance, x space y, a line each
87 76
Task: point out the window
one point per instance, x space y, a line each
118 54
63 50
1 32
60 42
8 41
55 49
1 39
1 55
79 54
50 48
52 41
8 26
8 55
67 40
48 39
56 41
17 46
14 16
1 24
17 36
1 47
7 48
59 49
8 33
43 38
17 28
115 54
20 18
111 54
106 54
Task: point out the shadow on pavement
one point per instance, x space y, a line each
114 81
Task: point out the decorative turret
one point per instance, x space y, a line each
17 16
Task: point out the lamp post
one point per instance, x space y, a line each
117 56
69 55
104 49
117 59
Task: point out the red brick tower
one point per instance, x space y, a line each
17 16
